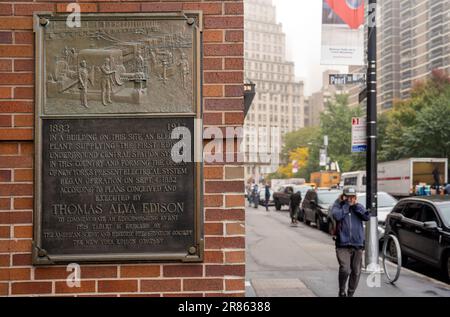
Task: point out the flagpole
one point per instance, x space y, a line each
372 242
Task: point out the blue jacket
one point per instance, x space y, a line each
349 224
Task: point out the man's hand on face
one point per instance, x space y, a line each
352 200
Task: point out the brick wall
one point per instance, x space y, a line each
223 271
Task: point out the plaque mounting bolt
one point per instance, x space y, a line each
191 21
43 22
192 250
42 253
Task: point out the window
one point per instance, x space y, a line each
412 210
427 214
351 181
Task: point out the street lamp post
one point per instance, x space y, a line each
372 244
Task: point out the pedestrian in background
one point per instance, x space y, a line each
296 199
436 178
349 216
267 196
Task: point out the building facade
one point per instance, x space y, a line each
221 271
278 106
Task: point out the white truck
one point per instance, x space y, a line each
399 178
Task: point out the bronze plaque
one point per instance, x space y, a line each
109 94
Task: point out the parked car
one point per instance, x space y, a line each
262 197
282 197
316 207
422 226
385 205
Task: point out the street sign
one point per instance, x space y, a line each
359 135
362 95
323 157
347 79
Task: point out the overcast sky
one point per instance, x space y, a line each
301 21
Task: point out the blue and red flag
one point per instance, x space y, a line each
350 11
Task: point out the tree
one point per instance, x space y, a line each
419 126
302 138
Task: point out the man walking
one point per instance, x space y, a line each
267 196
296 199
349 216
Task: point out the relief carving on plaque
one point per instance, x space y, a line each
120 66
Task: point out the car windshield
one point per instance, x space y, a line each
445 211
384 200
327 198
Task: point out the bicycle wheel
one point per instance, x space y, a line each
393 253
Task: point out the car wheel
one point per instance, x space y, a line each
301 216
318 223
307 221
277 205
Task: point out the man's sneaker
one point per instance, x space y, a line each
350 294
342 294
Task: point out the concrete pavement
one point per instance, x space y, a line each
288 261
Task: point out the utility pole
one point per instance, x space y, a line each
372 244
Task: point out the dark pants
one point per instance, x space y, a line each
350 262
267 203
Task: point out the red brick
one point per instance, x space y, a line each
234 36
213 201
119 7
26 148
16 189
98 271
210 118
235 257
236 118
4 260
210 36
213 229
234 8
224 77
224 186
235 285
51 273
5 65
16 79
5 203
5 38
160 285
30 8
234 201
22 288
25 65
16 23
85 287
23 121
14 274
213 257
6 9
234 91
213 172
5 93
4 289
9 148
182 270
24 93
213 91
183 295
212 64
223 49
116 286
16 134
16 161
224 270
203 285
140 271
16 50
161 7
224 214
234 63
23 175
84 7
23 203
22 259
224 104
224 22
207 8
5 176
23 232
23 37
16 217
5 232
224 242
